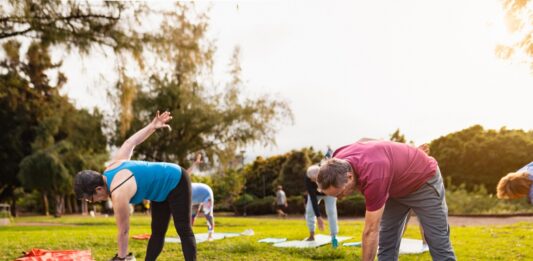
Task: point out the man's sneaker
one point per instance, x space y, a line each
334 242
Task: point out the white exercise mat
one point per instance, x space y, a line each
407 246
352 244
320 240
412 246
271 240
202 237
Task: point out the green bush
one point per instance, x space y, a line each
226 185
30 202
296 205
353 205
261 206
240 205
5 214
266 205
202 179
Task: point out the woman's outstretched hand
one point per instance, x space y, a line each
160 120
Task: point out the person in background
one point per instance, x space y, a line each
329 153
281 202
312 210
203 200
517 184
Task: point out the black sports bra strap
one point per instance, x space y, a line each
120 184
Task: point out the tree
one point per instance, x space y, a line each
204 119
82 27
76 25
39 119
17 117
293 172
264 174
397 136
45 172
25 94
261 174
475 156
229 185
73 26
518 20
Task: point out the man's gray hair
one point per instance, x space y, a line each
333 172
312 172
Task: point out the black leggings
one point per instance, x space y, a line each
178 203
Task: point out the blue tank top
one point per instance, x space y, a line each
154 180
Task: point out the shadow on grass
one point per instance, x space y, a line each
243 248
322 253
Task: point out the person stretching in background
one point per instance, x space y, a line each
203 199
311 209
517 184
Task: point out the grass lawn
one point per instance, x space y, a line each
513 242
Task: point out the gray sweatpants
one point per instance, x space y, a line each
429 204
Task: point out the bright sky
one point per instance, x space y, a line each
353 69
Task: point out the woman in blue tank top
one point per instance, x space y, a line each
126 181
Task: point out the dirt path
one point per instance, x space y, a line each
40 224
453 220
480 221
483 221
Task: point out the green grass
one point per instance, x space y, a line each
514 242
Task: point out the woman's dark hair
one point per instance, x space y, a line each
86 182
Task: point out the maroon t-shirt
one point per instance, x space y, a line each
387 169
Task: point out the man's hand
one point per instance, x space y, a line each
320 222
161 120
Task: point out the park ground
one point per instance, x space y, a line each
474 238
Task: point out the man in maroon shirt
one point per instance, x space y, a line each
394 178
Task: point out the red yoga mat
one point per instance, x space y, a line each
141 237
56 255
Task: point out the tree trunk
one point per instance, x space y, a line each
60 203
75 203
14 207
45 204
68 205
84 208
